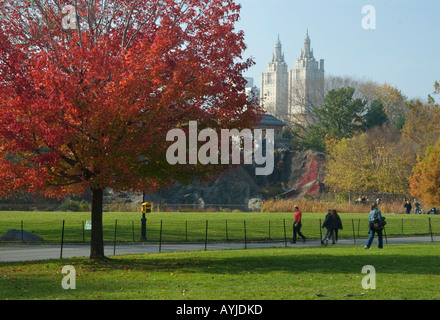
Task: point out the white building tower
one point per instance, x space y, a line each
275 85
306 84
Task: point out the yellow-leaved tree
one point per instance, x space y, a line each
374 161
393 101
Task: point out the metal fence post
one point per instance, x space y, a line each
385 234
226 227
160 237
114 239
83 231
206 235
62 241
269 231
430 229
320 229
245 240
285 235
354 235
132 228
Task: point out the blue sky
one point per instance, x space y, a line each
403 50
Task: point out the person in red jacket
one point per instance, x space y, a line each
297 225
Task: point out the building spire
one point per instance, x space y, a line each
278 55
307 53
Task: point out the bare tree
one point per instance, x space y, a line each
306 97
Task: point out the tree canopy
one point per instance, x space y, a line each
340 116
369 162
425 180
89 93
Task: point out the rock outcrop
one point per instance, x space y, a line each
296 175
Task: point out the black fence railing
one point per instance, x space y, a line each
214 230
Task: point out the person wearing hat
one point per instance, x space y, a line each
297 225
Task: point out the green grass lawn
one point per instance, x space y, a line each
406 271
180 227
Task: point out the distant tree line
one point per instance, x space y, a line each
376 139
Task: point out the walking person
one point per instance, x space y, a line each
332 224
325 225
373 216
338 224
297 223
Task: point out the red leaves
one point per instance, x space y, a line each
91 107
311 174
311 179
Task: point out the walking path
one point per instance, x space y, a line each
34 252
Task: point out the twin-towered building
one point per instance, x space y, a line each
291 95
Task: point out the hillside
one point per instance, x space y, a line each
296 175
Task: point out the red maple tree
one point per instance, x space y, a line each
88 92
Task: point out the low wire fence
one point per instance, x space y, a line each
216 230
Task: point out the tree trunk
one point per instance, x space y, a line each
97 240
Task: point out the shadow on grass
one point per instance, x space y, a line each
43 279
260 261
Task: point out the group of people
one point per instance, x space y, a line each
332 224
408 207
417 208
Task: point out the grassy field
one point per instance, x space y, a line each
406 271
191 227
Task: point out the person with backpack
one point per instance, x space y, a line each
376 225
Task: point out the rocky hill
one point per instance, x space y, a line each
296 175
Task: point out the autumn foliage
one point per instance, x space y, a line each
311 177
425 181
375 160
90 106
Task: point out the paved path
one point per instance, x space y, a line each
34 252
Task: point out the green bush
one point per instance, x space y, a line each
74 205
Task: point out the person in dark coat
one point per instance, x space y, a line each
324 225
332 223
407 207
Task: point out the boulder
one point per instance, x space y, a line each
18 235
255 204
